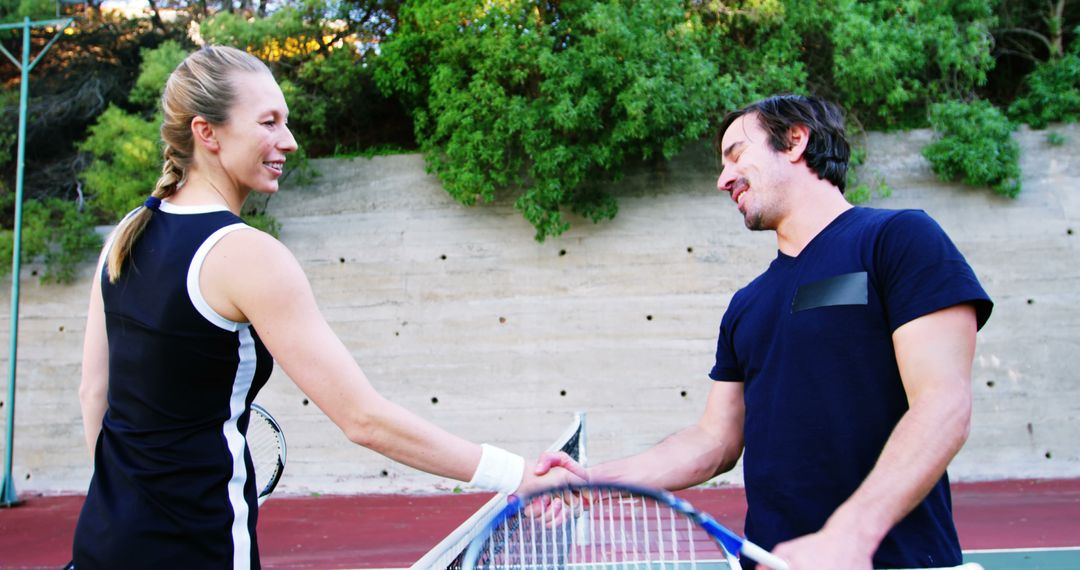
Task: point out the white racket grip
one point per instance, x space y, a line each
763 556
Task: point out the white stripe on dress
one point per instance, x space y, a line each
245 373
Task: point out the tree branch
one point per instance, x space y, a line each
1029 33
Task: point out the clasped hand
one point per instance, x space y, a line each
553 472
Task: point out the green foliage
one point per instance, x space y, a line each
283 34
974 145
157 64
893 57
1051 93
127 161
54 231
369 152
16 10
321 51
263 221
9 98
553 100
1054 138
548 102
858 189
774 64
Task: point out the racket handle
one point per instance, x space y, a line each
769 559
968 566
763 556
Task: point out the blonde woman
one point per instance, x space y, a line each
187 310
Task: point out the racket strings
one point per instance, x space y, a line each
604 531
266 447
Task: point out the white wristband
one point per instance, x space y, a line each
499 470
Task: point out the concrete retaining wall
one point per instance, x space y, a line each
459 315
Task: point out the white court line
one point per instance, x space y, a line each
974 551
1008 550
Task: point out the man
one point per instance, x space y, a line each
845 367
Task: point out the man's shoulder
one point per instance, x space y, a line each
886 215
899 222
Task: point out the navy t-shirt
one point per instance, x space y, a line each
811 339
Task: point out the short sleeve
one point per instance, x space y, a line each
726 367
920 271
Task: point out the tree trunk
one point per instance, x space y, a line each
155 16
1057 22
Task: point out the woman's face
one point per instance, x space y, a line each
256 137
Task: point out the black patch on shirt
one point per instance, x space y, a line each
846 289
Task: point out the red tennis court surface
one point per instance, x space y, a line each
393 531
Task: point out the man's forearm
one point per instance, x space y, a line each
689 457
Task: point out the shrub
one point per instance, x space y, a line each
1051 93
127 161
974 145
156 66
56 232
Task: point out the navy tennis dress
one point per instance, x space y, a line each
173 484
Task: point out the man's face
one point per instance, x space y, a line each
754 174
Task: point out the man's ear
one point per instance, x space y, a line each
203 133
798 138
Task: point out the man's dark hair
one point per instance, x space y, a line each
827 151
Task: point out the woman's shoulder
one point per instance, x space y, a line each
247 242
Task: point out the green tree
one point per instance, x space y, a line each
157 64
16 10
127 161
892 59
1051 93
552 100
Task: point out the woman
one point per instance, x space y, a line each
172 359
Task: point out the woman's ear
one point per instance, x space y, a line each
203 133
798 138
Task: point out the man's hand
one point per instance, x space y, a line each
549 460
552 470
823 549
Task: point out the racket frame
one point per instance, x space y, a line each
257 412
729 541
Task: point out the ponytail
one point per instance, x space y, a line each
133 225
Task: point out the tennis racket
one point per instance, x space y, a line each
608 526
266 443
